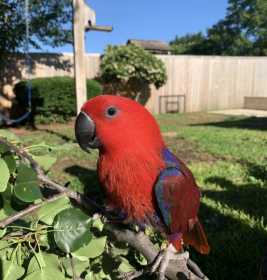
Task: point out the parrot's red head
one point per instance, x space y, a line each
117 124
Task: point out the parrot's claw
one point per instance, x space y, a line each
162 260
159 265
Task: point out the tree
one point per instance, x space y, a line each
250 19
189 44
224 39
50 24
243 31
130 70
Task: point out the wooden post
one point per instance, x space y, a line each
79 50
84 19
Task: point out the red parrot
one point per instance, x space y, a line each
139 174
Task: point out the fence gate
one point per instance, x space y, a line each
171 104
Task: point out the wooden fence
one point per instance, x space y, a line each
198 83
212 82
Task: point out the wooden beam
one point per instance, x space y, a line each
80 14
103 28
84 19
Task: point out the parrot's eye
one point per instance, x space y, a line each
111 112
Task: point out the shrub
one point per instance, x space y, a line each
53 99
131 69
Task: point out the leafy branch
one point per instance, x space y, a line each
178 269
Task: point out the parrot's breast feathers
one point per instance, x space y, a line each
129 182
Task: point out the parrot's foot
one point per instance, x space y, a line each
162 260
160 263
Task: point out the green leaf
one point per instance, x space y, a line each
125 266
7 209
45 268
119 250
140 258
3 214
36 263
2 232
94 249
97 223
5 175
26 187
72 230
45 161
41 260
10 270
44 241
48 273
48 211
3 148
10 136
3 244
10 161
6 251
79 266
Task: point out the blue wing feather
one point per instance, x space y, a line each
178 197
172 169
177 194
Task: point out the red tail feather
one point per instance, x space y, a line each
197 238
177 244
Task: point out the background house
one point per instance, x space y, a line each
153 46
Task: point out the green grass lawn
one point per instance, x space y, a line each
228 156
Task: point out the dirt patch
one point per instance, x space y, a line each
57 126
187 151
169 134
20 131
190 119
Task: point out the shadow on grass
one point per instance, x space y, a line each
88 179
237 249
256 123
258 171
250 198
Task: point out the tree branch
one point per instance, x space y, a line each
176 269
29 210
47 182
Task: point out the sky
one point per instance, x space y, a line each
148 20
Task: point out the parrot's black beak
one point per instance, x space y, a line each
85 132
